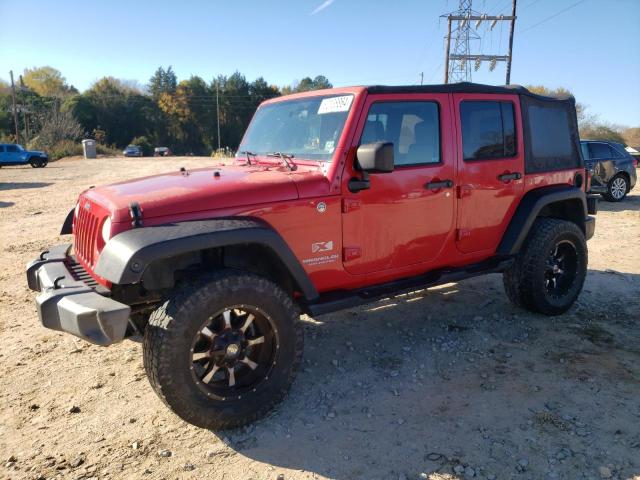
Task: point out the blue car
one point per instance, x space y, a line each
12 154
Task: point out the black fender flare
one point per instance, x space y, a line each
532 205
67 226
126 256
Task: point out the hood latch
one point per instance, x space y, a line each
135 211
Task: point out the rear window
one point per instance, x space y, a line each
488 130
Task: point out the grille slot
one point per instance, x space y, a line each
79 273
85 230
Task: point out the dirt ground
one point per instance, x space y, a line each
450 382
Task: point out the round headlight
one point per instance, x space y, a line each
76 209
106 230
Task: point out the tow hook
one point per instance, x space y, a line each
56 286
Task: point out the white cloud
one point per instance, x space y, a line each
322 6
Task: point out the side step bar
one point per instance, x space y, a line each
339 300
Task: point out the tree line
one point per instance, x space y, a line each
182 115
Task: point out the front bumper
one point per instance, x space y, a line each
69 304
589 227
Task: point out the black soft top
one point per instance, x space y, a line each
463 87
550 126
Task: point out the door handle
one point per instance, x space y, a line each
507 177
439 185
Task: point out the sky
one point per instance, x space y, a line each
590 47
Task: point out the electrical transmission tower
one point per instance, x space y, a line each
460 70
457 67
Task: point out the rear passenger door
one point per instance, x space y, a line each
601 161
490 168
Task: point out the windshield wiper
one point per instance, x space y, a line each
249 155
286 158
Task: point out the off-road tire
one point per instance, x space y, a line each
37 162
613 186
171 328
524 281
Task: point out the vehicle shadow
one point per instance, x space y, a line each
630 203
23 185
455 377
6 204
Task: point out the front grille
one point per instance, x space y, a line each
85 231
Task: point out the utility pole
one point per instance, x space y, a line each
25 114
513 26
457 64
15 112
421 78
218 111
446 55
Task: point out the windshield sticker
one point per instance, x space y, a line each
329 146
335 104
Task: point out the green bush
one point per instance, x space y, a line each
107 150
224 152
64 148
144 144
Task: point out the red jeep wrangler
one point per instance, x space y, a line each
336 198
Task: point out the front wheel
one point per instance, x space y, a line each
37 163
617 188
549 271
223 350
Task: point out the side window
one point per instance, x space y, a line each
488 130
412 127
585 151
1 148
600 150
12 149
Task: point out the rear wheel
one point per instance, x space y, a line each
617 188
549 271
223 350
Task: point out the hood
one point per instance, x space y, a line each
196 190
34 152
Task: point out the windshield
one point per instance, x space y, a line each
308 128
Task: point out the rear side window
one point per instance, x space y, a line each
550 131
1 148
550 137
488 130
600 150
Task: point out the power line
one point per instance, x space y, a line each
553 16
529 5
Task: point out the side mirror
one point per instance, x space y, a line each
375 157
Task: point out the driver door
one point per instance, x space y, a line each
404 219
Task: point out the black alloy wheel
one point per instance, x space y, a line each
234 352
